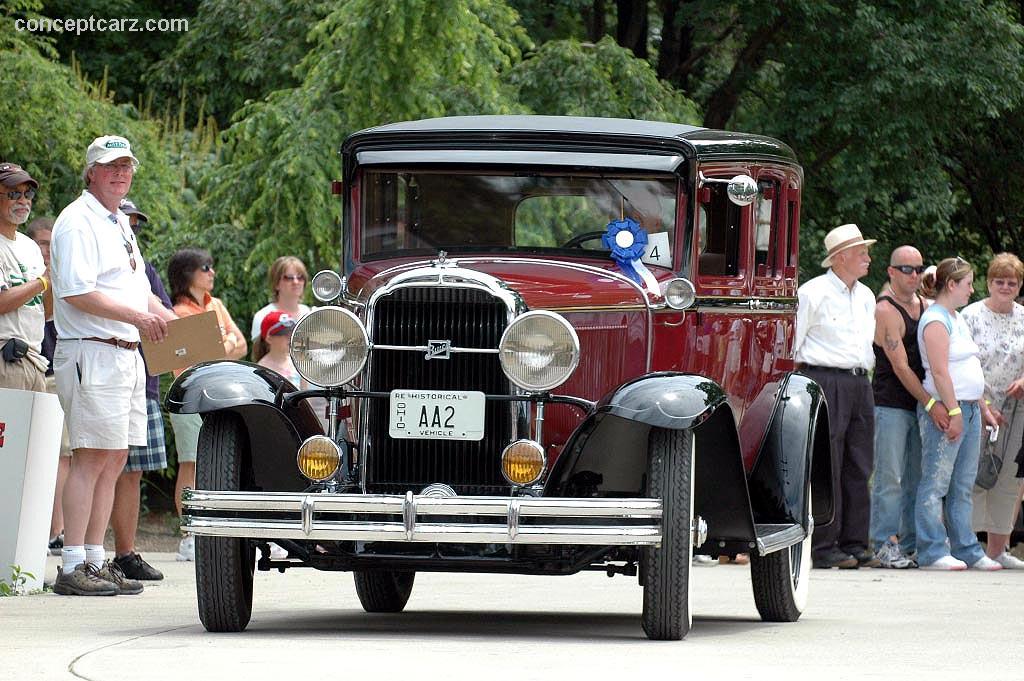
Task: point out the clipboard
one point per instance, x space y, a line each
190 340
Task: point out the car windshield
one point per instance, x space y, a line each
423 211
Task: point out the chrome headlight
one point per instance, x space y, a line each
327 286
680 294
329 346
539 350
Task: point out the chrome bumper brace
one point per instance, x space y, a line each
323 516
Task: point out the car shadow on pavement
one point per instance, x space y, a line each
503 625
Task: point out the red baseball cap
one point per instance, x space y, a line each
276 323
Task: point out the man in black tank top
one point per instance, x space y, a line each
897 390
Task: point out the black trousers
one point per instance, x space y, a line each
851 417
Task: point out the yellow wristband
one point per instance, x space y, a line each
45 283
987 402
931 403
956 411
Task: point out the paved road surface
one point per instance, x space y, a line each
864 624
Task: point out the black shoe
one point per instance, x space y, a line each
866 558
56 544
134 567
834 558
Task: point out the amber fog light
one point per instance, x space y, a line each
522 462
318 458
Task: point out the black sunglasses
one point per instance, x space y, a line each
909 269
28 194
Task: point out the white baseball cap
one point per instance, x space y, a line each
109 148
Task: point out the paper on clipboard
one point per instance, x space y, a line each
190 340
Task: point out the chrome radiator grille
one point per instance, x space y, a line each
413 316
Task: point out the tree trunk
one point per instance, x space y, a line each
723 101
594 18
631 26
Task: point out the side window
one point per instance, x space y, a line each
794 228
766 230
718 233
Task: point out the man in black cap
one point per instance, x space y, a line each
124 518
25 300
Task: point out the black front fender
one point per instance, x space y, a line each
254 393
608 453
795 450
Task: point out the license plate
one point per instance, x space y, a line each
437 414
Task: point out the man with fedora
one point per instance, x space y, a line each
24 287
102 306
835 327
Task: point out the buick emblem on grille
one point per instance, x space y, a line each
439 349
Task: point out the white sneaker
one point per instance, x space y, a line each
948 563
186 549
1009 562
700 560
987 564
276 552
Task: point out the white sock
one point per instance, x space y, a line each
95 555
72 557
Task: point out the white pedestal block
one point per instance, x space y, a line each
30 430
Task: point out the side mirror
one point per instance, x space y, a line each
742 189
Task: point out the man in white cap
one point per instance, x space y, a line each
835 327
102 306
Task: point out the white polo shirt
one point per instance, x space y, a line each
835 325
89 252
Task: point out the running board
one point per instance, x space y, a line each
775 537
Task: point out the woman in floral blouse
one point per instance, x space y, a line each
997 326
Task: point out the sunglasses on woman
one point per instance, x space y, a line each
293 277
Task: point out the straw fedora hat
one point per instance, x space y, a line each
841 238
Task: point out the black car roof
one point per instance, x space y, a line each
611 133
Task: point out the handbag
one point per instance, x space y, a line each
993 454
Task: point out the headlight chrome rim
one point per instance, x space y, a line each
314 363
507 355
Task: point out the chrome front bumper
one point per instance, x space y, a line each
325 516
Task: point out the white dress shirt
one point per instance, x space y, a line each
835 325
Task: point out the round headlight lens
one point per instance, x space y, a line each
318 458
329 346
327 286
522 462
680 294
539 350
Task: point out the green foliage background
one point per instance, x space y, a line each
908 117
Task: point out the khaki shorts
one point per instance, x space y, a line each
21 375
103 391
65 441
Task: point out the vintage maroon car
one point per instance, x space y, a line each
556 344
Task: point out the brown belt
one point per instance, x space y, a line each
126 345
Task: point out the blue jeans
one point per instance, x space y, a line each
948 469
896 477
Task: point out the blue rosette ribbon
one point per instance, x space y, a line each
627 241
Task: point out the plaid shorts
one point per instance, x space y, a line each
153 456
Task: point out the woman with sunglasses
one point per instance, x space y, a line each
949 459
997 325
191 276
287 279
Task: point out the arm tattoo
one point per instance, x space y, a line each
891 343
